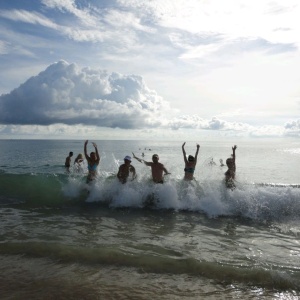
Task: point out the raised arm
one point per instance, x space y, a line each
141 160
97 153
197 151
138 159
233 152
184 153
85 151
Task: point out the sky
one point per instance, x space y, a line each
141 69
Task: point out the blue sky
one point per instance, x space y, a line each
149 69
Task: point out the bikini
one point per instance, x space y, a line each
189 170
92 168
92 172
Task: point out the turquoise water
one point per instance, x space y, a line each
60 238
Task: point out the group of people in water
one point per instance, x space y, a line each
158 170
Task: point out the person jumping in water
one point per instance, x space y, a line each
190 163
125 169
93 162
230 173
157 168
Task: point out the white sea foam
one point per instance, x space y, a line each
210 196
292 150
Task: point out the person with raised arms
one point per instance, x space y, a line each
190 163
158 169
230 173
93 161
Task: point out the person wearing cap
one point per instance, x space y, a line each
230 173
190 163
158 169
125 169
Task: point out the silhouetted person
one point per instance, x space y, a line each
190 163
68 160
230 173
158 169
125 169
93 161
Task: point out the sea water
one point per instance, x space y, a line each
63 239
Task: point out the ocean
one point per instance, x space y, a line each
63 239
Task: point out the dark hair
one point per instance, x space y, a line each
229 160
70 153
191 158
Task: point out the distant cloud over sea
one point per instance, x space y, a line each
65 94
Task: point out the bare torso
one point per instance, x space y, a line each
157 171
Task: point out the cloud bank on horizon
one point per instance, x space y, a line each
219 66
65 94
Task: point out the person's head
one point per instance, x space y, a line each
155 158
70 153
79 156
93 155
191 158
229 162
127 159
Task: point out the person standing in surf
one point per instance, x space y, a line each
230 173
78 159
221 163
93 161
78 162
158 169
68 160
125 169
190 163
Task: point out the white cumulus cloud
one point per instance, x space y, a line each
292 128
64 93
65 96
